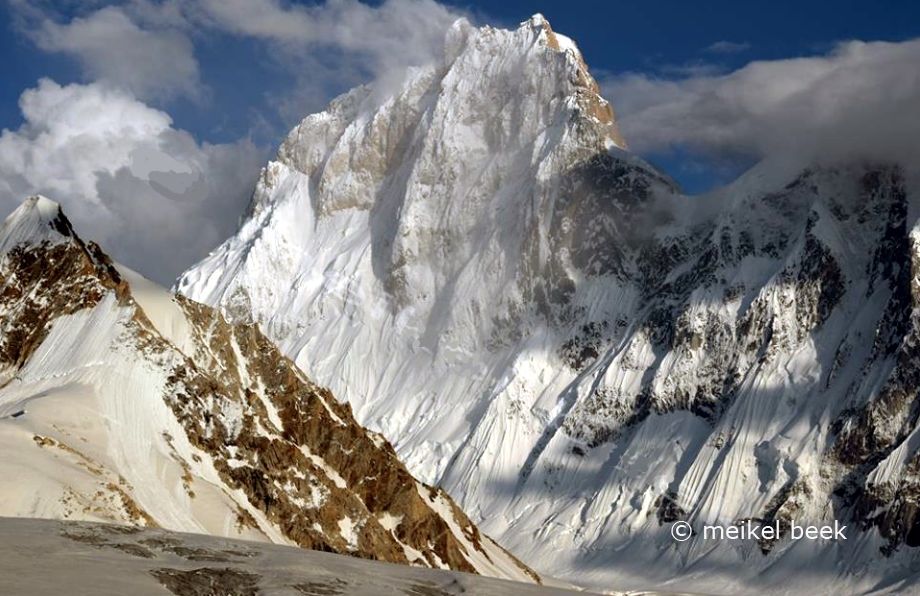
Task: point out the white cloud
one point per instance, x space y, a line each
149 193
332 46
727 47
861 100
110 46
397 32
318 51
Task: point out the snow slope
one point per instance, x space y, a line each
581 356
120 402
39 557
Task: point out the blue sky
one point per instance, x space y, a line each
703 90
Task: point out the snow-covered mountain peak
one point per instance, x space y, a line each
38 219
545 326
40 205
510 128
530 80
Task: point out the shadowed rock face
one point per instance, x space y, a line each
287 460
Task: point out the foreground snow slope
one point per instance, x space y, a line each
43 557
119 402
581 356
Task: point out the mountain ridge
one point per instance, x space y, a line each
202 426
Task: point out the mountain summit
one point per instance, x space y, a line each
543 325
37 220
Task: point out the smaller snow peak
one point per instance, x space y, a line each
43 205
37 220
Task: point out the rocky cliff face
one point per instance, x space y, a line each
543 325
121 403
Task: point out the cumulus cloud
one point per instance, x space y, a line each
861 100
154 63
152 195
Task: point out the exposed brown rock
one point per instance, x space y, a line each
208 581
589 96
312 422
